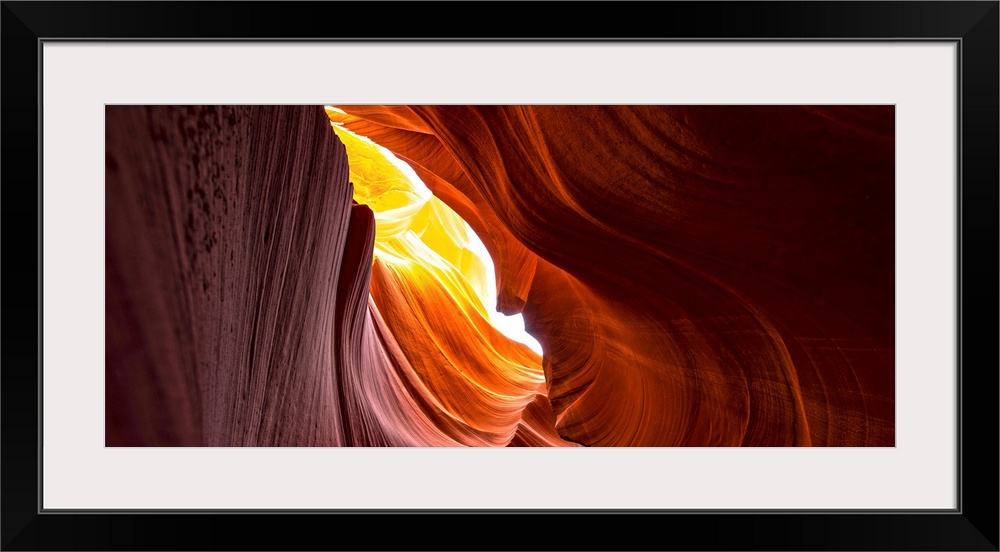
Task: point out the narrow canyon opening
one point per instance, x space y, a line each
412 225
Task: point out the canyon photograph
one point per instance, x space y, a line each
500 276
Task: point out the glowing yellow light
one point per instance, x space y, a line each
412 226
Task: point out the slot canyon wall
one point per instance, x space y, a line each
696 276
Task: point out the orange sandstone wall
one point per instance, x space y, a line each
697 275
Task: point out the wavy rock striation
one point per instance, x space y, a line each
449 367
697 275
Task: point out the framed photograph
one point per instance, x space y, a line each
717 275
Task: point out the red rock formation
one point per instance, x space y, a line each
697 275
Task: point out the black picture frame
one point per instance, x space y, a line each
974 525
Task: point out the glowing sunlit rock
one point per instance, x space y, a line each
697 275
434 288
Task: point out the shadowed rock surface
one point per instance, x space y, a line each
226 227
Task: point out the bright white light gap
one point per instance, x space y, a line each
511 326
